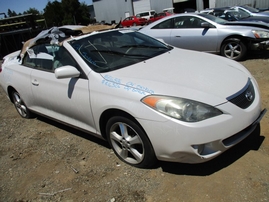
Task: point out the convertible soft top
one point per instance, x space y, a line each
56 35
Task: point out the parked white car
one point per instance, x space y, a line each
150 101
146 14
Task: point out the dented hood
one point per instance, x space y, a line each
258 24
182 73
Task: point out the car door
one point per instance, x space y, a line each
189 34
128 21
67 99
161 31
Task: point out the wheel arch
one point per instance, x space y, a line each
236 54
109 113
234 37
10 89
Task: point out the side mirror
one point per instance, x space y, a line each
66 72
207 25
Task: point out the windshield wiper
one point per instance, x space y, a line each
122 54
144 46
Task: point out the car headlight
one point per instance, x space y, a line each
181 108
259 34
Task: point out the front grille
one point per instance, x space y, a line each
245 97
239 136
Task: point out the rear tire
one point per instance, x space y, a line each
129 142
20 105
234 49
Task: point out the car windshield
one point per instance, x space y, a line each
213 18
112 50
237 14
251 9
241 14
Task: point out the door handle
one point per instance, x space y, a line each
35 82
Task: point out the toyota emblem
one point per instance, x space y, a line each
249 96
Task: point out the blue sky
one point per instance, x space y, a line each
19 6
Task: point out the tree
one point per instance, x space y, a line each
71 11
11 13
33 11
53 13
83 15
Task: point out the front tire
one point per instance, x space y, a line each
20 105
234 49
129 142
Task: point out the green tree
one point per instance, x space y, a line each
11 13
83 15
53 13
33 11
71 11
66 12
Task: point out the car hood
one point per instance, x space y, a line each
256 19
264 13
182 73
248 24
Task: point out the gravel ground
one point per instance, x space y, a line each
41 160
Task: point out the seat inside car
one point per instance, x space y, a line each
62 58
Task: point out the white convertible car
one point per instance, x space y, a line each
149 100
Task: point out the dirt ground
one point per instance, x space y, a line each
41 160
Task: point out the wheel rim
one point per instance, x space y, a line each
233 50
21 108
127 143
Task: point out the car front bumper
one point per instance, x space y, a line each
260 46
210 150
199 142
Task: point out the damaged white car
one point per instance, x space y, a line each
149 100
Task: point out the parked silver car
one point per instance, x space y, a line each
147 99
204 32
251 11
236 15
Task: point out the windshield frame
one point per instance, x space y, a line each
213 18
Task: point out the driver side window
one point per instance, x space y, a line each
62 57
38 57
164 25
48 57
188 22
